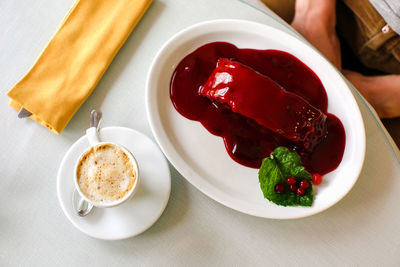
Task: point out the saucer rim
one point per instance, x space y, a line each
59 189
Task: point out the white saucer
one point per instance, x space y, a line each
137 214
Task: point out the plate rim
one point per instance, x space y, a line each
179 163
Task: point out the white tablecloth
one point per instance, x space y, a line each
363 229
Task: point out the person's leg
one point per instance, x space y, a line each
382 92
315 20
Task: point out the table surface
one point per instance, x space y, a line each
362 229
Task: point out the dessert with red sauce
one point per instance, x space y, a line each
260 102
258 97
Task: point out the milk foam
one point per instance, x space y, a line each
105 173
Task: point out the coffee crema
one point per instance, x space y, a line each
105 173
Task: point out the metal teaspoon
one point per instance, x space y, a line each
81 206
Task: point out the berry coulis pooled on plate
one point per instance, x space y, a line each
249 133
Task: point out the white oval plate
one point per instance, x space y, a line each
201 157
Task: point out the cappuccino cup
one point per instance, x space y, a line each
106 174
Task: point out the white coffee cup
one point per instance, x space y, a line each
94 142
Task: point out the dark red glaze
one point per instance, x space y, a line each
246 141
258 97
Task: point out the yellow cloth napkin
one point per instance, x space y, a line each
74 60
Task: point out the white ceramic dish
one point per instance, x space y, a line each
133 216
201 157
127 197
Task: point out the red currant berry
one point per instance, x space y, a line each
316 178
300 191
279 188
290 180
304 184
293 188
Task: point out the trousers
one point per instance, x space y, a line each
372 41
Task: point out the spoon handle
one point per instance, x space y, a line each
95 118
92 133
81 206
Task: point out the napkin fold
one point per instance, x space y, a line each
74 60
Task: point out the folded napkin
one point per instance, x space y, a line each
74 60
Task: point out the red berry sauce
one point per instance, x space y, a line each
247 142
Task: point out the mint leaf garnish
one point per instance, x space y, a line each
281 164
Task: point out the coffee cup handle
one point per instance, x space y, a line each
93 136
